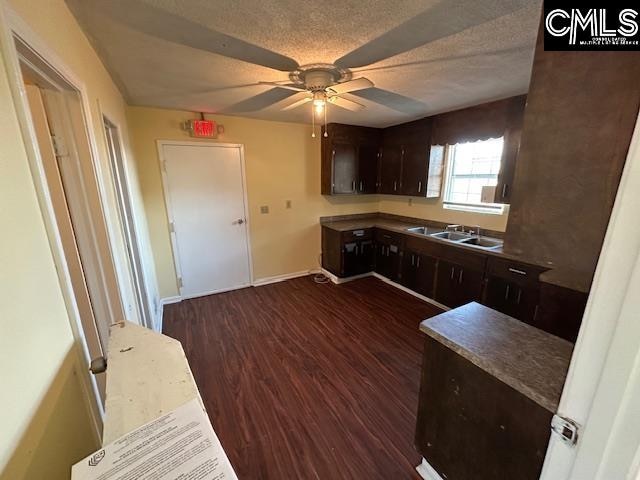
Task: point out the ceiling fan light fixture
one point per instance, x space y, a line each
319 101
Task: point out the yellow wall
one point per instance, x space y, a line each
45 423
282 163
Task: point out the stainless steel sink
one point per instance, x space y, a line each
453 236
418 230
483 242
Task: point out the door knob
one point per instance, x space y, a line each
240 221
98 365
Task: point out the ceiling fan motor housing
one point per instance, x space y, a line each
318 77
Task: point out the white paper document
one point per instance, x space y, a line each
180 445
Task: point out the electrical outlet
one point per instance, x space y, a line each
264 209
288 203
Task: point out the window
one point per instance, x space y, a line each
472 166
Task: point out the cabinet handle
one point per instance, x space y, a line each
519 296
420 186
452 272
361 184
519 272
353 185
413 259
460 276
535 313
395 185
506 292
418 262
505 188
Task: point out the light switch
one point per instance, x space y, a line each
264 209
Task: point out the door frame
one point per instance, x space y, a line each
165 190
128 224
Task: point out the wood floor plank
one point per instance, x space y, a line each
308 381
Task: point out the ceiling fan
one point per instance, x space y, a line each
321 84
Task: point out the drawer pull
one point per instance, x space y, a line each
519 272
358 233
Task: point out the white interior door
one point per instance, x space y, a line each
204 191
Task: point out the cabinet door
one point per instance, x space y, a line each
415 166
457 285
390 169
425 275
469 286
512 136
365 256
345 168
388 261
446 283
367 168
418 272
350 263
516 300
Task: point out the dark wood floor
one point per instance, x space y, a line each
308 381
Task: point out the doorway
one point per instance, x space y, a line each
206 204
126 214
66 182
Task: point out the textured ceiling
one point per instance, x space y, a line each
428 56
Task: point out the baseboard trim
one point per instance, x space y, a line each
410 292
337 280
427 472
281 278
168 300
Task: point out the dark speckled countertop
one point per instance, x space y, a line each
531 361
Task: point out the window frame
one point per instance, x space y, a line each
485 208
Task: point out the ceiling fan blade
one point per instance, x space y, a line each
350 86
443 19
346 104
286 86
162 24
297 103
394 101
260 101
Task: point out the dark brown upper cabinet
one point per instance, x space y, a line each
405 164
390 169
349 159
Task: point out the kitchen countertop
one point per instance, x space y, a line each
531 361
554 276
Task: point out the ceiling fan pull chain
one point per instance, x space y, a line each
313 124
326 105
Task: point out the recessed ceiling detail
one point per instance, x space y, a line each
257 58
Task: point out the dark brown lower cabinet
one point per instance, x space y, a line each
387 260
418 272
457 284
357 258
516 300
470 425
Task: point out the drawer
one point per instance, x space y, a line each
388 237
463 257
358 234
517 272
